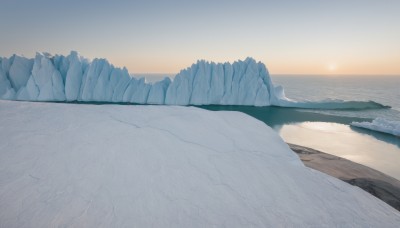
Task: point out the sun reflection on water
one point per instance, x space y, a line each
341 140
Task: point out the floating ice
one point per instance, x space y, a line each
382 125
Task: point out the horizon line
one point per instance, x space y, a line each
283 74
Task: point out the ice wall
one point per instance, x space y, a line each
74 78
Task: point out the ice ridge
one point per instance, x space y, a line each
75 78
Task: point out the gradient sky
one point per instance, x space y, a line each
289 36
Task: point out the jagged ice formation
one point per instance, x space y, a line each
74 78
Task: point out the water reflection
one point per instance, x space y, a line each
379 135
341 140
276 117
330 134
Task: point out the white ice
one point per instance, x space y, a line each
382 125
74 78
163 166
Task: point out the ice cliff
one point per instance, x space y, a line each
74 78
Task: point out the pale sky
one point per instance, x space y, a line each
289 36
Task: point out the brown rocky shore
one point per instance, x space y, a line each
376 183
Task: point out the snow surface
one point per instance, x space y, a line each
163 166
74 78
382 125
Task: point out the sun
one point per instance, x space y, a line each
332 67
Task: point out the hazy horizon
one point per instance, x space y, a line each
281 74
291 37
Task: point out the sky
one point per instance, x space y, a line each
289 36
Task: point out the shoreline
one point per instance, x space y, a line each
376 183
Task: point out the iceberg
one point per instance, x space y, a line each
381 125
75 78
163 166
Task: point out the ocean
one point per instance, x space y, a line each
381 89
330 130
384 90
377 150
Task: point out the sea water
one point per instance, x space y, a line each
330 130
381 89
374 149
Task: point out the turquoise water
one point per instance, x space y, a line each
381 89
329 130
328 133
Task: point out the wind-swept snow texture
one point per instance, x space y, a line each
163 166
382 125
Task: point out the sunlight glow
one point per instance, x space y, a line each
332 67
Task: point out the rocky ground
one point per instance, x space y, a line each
376 183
